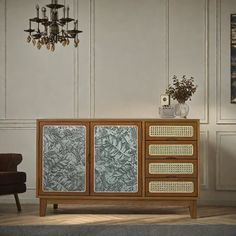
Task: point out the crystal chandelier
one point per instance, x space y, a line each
50 31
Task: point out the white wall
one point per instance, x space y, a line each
129 49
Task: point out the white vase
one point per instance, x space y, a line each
181 110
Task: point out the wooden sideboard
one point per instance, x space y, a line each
118 161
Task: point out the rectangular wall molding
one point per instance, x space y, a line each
167 26
92 58
76 65
4 118
12 124
27 123
204 142
18 127
181 34
205 120
225 160
219 119
3 59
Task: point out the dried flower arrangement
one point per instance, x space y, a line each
181 90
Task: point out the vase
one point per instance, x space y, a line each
181 110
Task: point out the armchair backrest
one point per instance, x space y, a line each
9 161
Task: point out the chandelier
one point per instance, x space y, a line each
50 31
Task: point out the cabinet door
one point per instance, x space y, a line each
116 158
62 160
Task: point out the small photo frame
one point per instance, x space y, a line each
165 100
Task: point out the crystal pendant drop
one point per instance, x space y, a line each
64 43
43 41
53 48
39 45
34 42
76 42
48 46
28 39
67 41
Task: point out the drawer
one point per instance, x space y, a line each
171 168
171 149
171 131
171 187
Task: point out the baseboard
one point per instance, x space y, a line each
11 200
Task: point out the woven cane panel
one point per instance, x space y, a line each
171 187
170 131
171 168
170 150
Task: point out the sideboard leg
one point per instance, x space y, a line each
55 206
193 209
42 207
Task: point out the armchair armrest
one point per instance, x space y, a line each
9 161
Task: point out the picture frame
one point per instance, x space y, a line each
233 56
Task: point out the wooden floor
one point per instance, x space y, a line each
74 214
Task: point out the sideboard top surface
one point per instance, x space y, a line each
119 119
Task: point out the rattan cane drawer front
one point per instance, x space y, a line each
171 149
173 130
171 187
171 168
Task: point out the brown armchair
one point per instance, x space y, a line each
11 180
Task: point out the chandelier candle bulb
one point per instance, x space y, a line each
64 12
68 9
76 24
37 10
43 9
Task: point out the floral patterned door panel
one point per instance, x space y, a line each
115 159
64 158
